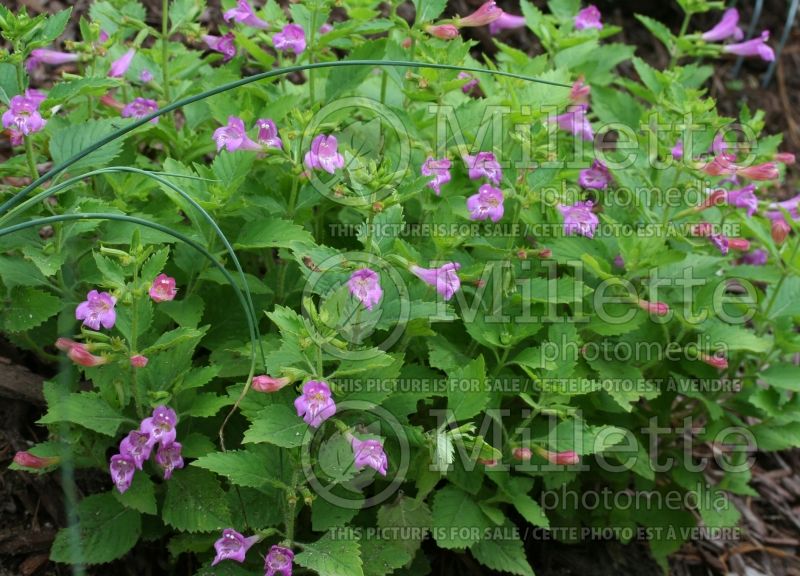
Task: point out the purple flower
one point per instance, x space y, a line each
596 177
244 14
97 309
439 169
589 17
222 44
575 122
484 164
169 458
677 150
579 219
139 108
369 453
278 561
122 469
160 426
721 242
145 76
291 39
136 446
324 154
506 22
315 405
487 13
365 285
487 203
23 115
444 279
268 134
619 261
163 288
35 96
325 28
45 56
121 64
792 206
234 137
232 546
743 198
727 27
754 47
757 257
473 82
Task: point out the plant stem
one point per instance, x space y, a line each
384 85
778 288
684 27
31 159
311 35
165 47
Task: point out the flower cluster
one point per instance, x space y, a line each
156 431
233 136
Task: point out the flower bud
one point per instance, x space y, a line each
766 171
139 361
561 458
442 31
486 14
785 158
719 362
780 230
523 454
268 384
654 308
29 460
740 244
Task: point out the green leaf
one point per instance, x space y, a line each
29 308
346 79
68 141
195 502
280 425
503 554
272 234
326 515
623 382
428 10
87 409
467 394
141 496
250 467
405 513
106 531
65 91
53 28
658 30
783 376
330 556
384 556
457 519
787 301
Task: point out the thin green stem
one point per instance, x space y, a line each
165 47
311 36
31 159
676 52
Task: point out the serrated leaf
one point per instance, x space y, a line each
29 308
195 502
503 555
278 425
330 556
250 467
428 10
65 91
468 394
457 519
87 409
141 496
106 531
272 234
68 141
403 513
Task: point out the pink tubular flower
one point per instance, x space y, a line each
160 426
222 44
97 309
278 561
232 546
265 383
561 458
785 158
268 134
79 353
727 27
792 206
765 171
757 257
739 244
654 308
234 137
325 28
596 178
589 17
145 76
523 454
445 278
439 169
163 289
719 362
45 56
677 150
755 47
580 91
169 458
29 460
486 14
579 219
315 405
365 285
23 115
136 446
244 14
121 64
575 122
442 31
122 470
139 361
506 22
484 165
743 198
487 203
291 39
139 108
369 453
473 82
324 154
